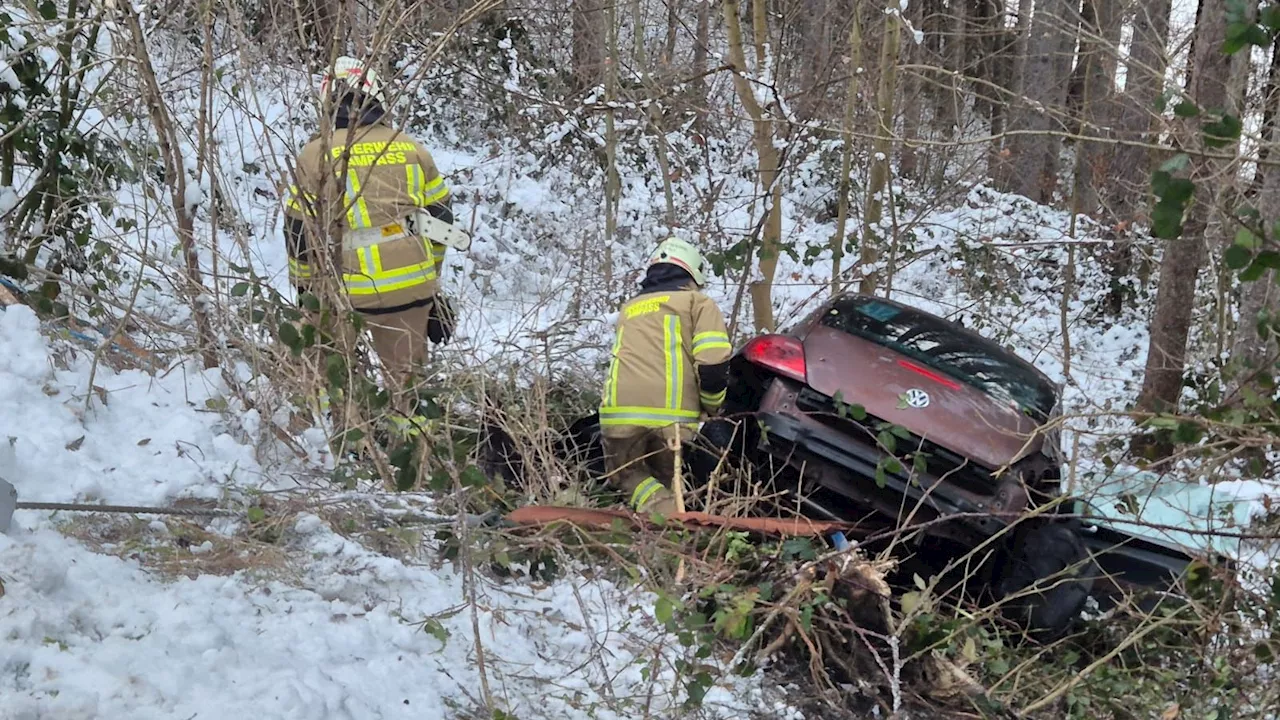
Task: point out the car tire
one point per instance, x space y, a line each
1054 556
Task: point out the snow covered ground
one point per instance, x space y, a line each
314 626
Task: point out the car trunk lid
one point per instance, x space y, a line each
928 402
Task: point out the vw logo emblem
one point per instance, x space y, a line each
917 398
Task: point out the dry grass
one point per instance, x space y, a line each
174 548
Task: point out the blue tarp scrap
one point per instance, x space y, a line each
59 328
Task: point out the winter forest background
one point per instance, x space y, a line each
1091 184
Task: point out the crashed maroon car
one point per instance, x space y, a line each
875 413
867 395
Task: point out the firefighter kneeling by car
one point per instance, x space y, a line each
379 191
670 366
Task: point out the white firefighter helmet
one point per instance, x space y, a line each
681 253
356 77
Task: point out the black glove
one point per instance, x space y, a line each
441 321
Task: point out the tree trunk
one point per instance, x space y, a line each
1183 257
950 99
1250 349
766 153
1269 115
1011 62
612 181
1100 36
1033 152
702 87
588 44
846 153
912 105
673 27
1127 190
882 148
1079 72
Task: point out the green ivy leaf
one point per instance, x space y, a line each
900 432
887 441
288 334
881 478
1186 109
473 478
1188 433
664 610
335 370
920 463
1246 239
1269 17
1237 257
239 289
1222 132
798 547
435 629
1175 195
893 465
1264 652
256 515
1269 259
1176 163
1254 272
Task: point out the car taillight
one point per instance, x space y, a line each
779 353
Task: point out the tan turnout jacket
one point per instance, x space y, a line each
378 177
662 338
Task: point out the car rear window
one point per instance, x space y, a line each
942 346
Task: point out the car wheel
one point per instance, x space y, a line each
1045 578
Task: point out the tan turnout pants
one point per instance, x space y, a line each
641 464
400 341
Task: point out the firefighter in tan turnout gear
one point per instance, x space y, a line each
669 369
379 191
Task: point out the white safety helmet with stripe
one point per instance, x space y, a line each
681 253
355 76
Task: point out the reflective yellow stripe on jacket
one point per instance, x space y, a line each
299 270
673 364
373 279
711 340
645 416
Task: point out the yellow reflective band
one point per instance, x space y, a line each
409 427
673 361
390 280
412 184
711 340
367 265
299 269
712 399
611 388
645 492
435 191
357 209
645 416
295 199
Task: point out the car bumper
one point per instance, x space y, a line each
840 464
